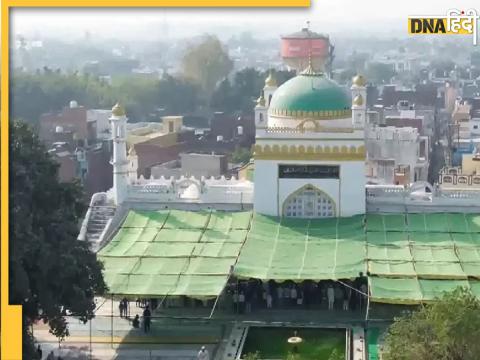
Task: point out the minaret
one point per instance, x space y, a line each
270 87
261 112
359 101
119 161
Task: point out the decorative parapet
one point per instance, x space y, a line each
191 189
315 115
301 152
302 129
426 195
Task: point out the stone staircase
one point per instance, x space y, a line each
99 214
99 218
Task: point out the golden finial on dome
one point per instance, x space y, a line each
261 100
359 80
358 100
270 80
310 70
118 110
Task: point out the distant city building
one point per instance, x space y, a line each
396 155
464 177
461 120
227 126
157 143
80 141
193 164
99 120
400 61
71 119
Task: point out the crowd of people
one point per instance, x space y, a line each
246 296
332 295
124 310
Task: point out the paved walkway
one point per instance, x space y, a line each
106 352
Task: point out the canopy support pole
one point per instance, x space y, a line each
368 309
214 306
90 337
111 324
237 306
163 300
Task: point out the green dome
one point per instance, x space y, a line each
310 95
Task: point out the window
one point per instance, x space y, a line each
309 202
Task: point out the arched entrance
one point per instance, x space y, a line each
309 202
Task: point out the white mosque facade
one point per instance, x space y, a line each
309 162
309 156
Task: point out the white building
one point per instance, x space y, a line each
309 153
396 155
101 119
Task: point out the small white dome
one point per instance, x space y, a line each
73 104
59 129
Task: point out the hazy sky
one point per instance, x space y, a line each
331 16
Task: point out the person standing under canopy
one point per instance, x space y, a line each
203 354
146 319
330 297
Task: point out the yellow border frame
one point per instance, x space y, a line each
11 317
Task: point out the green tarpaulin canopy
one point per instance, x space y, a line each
159 253
410 258
293 249
414 291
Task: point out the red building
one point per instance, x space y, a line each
72 119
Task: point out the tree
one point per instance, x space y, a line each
223 98
240 95
447 329
35 94
51 272
177 95
47 91
379 73
207 63
241 155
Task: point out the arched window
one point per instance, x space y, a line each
309 202
260 117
